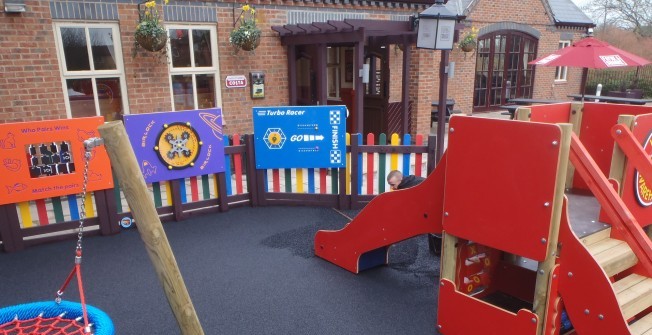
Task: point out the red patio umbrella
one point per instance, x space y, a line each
590 53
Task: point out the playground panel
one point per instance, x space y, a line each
45 159
597 120
636 191
518 162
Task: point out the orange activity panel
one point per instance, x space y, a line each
45 159
500 183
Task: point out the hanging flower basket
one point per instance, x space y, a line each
150 33
469 42
246 35
152 42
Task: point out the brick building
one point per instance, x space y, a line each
64 59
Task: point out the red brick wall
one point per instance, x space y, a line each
30 84
31 87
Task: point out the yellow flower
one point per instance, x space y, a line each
245 8
253 11
166 1
150 4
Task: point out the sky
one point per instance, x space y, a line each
581 3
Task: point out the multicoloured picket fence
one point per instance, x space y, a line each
241 184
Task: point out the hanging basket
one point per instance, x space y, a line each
151 42
250 44
467 47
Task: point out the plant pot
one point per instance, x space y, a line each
250 44
467 47
151 42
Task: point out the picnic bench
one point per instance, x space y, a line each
450 103
602 98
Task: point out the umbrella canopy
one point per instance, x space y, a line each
590 53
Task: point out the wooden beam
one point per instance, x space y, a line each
132 183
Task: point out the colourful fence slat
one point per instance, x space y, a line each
335 180
72 204
360 167
182 190
311 181
194 191
156 189
206 191
418 159
348 165
168 192
25 214
299 180
58 210
276 183
237 166
407 139
288 180
370 165
382 140
116 195
227 169
393 158
88 205
323 174
42 212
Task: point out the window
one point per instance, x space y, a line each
194 71
560 71
92 71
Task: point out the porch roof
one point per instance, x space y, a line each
347 31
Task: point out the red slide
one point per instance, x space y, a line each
389 218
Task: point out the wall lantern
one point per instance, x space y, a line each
15 6
436 27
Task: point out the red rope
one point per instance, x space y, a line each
76 270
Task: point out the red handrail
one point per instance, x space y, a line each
622 219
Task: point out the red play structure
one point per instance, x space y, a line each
501 195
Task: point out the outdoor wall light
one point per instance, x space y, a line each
436 27
15 6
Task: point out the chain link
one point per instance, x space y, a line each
89 145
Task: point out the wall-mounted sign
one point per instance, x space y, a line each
45 159
236 81
300 137
175 145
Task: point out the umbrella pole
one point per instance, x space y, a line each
585 75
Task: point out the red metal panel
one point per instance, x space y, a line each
551 113
500 183
389 218
460 314
597 120
584 286
637 191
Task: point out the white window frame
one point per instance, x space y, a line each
92 74
192 70
561 72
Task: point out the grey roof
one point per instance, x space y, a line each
566 12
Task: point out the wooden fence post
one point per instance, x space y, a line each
10 234
177 204
149 226
221 191
432 143
252 176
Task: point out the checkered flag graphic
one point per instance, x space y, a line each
336 156
335 117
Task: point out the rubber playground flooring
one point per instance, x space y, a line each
248 271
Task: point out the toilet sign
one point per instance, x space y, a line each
237 81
